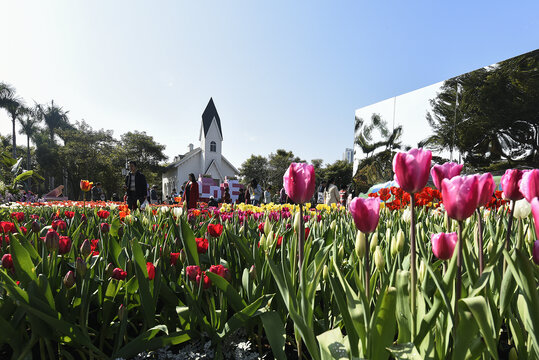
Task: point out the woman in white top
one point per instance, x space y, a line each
256 192
331 194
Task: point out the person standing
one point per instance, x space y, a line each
331 195
226 197
256 192
241 196
267 195
153 195
321 189
135 185
283 198
190 194
97 192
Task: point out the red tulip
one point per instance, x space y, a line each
151 270
59 225
221 271
529 184
299 182
509 182
206 279
535 212
486 187
7 227
174 258
202 245
192 272
445 171
119 274
7 261
412 169
69 214
103 214
536 252
366 213
215 230
18 215
460 195
64 245
443 245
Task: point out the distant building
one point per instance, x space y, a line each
205 161
348 155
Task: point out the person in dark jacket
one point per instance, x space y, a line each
190 195
135 185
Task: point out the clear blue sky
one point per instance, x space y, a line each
283 74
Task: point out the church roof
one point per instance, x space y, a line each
207 116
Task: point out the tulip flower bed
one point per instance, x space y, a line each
101 282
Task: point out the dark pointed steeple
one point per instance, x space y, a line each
207 117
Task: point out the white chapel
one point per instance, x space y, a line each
205 161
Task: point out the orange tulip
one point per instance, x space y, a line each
85 185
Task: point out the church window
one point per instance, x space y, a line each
213 146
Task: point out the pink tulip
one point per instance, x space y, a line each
536 252
529 184
443 245
535 212
486 187
299 182
509 182
412 169
445 171
460 195
366 213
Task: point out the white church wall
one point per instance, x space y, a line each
212 135
192 165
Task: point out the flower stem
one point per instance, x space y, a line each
458 281
508 235
509 225
413 274
301 241
480 242
367 267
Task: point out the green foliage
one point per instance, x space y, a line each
278 163
255 167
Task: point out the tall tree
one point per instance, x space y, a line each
278 164
147 152
14 105
255 167
55 117
29 128
341 173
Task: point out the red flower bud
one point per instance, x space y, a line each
52 240
69 279
174 258
105 228
7 261
119 274
151 270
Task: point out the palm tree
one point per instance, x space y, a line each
14 105
29 128
55 118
